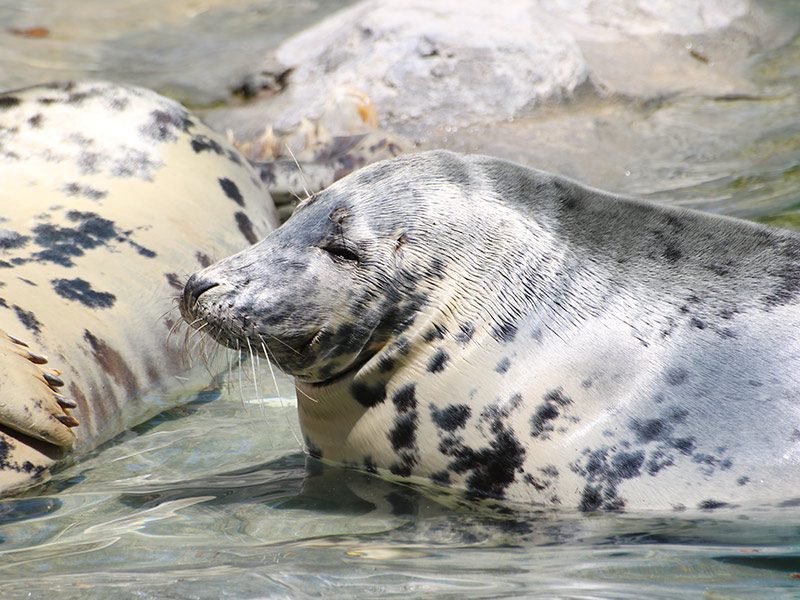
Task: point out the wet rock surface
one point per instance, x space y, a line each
457 64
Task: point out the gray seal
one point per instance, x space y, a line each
474 323
111 195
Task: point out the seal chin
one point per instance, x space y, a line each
322 376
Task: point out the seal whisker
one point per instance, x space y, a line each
300 170
255 376
279 341
277 390
228 352
185 346
175 326
199 341
241 387
314 400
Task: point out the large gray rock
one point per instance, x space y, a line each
461 62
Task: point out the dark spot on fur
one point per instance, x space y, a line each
604 469
791 503
627 465
368 395
7 102
713 505
437 361
404 432
436 268
451 417
231 190
440 478
787 272
174 281
405 398
81 291
76 189
246 227
676 376
549 471
385 364
465 332
683 445
502 366
539 421
697 323
203 143
141 250
437 332
61 244
162 125
28 319
202 259
400 469
591 499
649 430
402 346
504 332
548 411
112 363
10 240
672 252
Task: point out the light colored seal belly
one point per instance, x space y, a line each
478 324
110 197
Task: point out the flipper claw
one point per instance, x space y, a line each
29 402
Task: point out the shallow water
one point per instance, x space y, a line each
215 500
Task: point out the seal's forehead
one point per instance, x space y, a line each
387 195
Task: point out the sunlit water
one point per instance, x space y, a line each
215 499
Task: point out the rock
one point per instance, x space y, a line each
455 63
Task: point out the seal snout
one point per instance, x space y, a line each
194 288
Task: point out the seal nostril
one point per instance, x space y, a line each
195 287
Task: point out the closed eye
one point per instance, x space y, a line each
341 252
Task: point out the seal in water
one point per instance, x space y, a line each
110 196
483 325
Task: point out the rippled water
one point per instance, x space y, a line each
215 499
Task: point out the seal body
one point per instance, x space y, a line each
110 196
479 324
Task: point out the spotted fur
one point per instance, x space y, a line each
479 324
110 195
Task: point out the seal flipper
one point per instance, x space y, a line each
29 401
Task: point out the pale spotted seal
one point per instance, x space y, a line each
111 195
487 326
